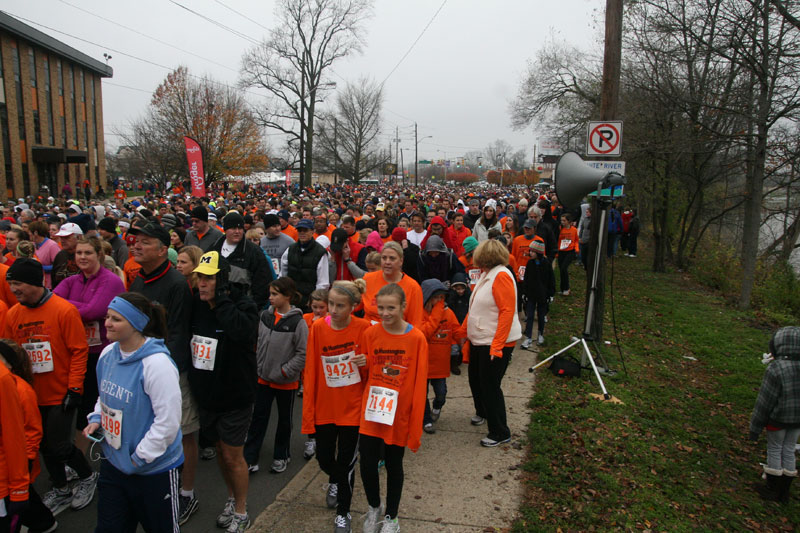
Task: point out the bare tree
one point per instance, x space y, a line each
349 136
294 65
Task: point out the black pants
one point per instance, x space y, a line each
90 392
258 425
370 449
341 466
565 259
633 244
58 428
485 377
541 309
124 501
37 517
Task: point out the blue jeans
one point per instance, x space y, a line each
541 310
439 397
781 450
613 241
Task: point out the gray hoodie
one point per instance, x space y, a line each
281 351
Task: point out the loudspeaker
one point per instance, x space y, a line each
574 179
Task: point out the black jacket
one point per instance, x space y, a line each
248 269
459 304
544 231
166 286
539 283
233 322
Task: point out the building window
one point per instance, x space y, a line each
18 90
83 112
49 102
4 132
61 108
37 126
73 90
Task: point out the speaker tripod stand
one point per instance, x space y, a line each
610 180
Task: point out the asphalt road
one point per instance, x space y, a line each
210 487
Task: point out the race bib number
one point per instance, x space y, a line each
204 352
565 243
373 322
340 370
93 333
41 356
276 265
381 405
474 274
521 271
111 421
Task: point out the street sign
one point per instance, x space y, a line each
424 162
609 166
604 138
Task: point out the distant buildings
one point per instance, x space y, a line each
51 113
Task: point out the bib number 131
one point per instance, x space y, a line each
381 405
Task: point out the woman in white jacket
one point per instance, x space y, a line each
487 221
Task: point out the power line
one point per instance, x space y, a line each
415 42
127 87
147 36
241 15
216 23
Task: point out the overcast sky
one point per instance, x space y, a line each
456 82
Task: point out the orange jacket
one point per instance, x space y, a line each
131 270
332 405
375 281
440 328
568 239
521 251
5 291
32 420
58 322
291 232
14 476
400 363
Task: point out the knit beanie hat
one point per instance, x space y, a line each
399 234
26 270
200 213
232 220
169 221
469 244
537 245
108 224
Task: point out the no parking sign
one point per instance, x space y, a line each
604 138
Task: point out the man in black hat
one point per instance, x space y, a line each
202 234
107 228
248 266
306 262
275 241
162 284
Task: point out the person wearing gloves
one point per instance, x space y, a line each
223 375
139 415
51 331
777 410
280 358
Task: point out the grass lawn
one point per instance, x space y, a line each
675 456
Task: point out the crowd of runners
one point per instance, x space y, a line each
159 329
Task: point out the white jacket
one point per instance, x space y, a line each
483 310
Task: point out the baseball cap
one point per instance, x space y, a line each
70 228
529 223
284 214
208 264
304 223
338 239
151 229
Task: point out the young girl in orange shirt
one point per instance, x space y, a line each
318 301
567 248
335 375
393 404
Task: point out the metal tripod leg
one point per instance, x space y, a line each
588 354
575 340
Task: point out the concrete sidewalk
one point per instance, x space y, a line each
452 484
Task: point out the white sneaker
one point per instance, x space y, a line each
252 469
540 340
526 343
372 521
332 495
84 492
477 420
435 414
72 475
279 465
390 525
632 255
309 449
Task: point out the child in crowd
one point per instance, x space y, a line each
440 327
458 302
567 248
393 404
776 410
318 301
539 285
335 374
373 261
469 245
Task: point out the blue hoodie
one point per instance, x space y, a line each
131 385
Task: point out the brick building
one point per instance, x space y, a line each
51 114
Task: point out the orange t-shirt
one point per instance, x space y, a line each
9 259
441 328
375 281
323 404
32 419
473 272
5 289
521 251
58 323
399 363
131 270
290 231
568 239
14 475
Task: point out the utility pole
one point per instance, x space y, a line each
612 61
416 157
396 151
402 168
302 121
335 150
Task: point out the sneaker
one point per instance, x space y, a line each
632 255
428 428
48 530
341 524
225 518
187 506
84 492
489 442
372 519
279 465
526 343
57 499
72 475
455 370
252 469
206 454
540 340
435 414
390 525
309 449
239 523
565 293
332 496
477 420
